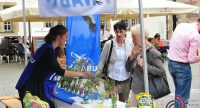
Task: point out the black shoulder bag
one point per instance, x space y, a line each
158 85
105 67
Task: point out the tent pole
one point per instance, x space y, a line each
25 35
29 32
30 38
167 24
146 84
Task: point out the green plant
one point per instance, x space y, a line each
61 82
111 90
68 81
91 85
73 84
125 90
114 100
127 103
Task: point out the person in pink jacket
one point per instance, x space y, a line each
183 49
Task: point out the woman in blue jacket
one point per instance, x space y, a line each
43 67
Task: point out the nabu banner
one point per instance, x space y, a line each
56 8
83 45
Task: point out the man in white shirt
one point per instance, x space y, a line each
21 50
104 34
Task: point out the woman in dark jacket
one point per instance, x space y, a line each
43 66
134 64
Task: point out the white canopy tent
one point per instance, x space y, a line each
155 7
8 2
130 8
124 9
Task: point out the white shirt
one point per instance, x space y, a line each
27 50
119 72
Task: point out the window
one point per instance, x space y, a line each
49 24
193 16
134 22
103 22
61 23
127 23
7 26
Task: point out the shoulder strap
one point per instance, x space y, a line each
110 52
147 51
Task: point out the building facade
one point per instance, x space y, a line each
8 28
15 29
188 17
184 18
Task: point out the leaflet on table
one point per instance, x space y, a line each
77 99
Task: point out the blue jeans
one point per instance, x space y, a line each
182 76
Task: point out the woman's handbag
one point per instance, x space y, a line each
158 86
105 67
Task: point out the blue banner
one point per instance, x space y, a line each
83 46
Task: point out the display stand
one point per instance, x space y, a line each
37 42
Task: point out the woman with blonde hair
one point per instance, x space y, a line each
134 64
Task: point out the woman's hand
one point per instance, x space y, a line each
140 62
78 74
88 75
135 51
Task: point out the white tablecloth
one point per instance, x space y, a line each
92 104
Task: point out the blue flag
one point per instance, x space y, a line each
83 46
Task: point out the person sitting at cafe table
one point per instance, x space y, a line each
158 44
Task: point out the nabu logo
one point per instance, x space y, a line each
81 63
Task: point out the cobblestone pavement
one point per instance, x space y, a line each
195 89
11 72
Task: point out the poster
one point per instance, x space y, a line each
83 45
